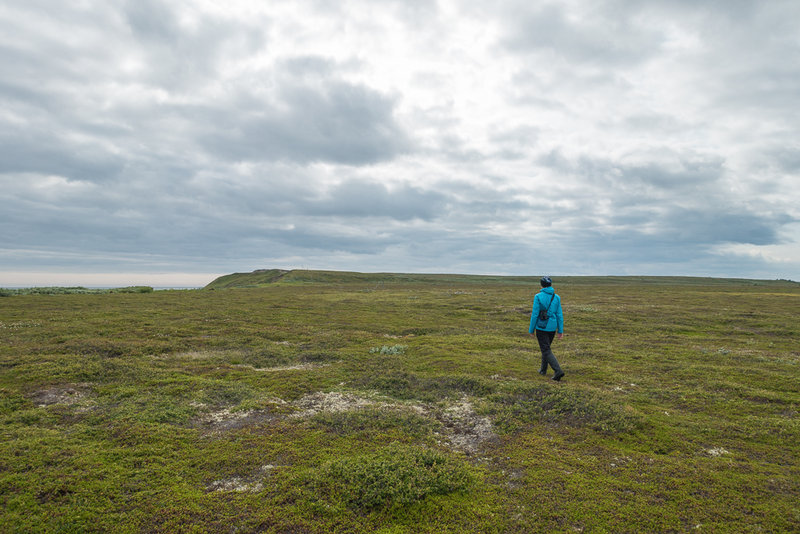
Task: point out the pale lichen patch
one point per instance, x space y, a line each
315 403
253 483
298 367
227 419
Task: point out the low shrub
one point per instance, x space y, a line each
392 477
10 402
373 419
132 289
525 404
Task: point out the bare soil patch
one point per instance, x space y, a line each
465 429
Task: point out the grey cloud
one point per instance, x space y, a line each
293 195
24 152
527 135
681 173
775 92
677 250
152 19
180 56
215 218
515 143
306 240
721 224
657 207
32 223
473 205
339 122
655 228
761 36
316 68
365 199
657 123
787 159
608 38
692 174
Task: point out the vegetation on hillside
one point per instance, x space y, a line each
333 402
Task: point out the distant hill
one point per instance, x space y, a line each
267 277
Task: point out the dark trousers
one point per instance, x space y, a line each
545 339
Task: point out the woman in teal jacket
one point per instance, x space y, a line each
545 330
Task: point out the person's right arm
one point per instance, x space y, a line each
532 326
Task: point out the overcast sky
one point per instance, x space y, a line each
168 142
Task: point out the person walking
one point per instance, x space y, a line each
547 319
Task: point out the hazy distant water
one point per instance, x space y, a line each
155 288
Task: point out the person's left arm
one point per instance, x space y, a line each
560 320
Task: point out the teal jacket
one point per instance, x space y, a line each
555 318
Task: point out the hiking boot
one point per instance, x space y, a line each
558 376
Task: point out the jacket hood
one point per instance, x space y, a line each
548 290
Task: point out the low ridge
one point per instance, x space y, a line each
267 277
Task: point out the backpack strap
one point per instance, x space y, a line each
549 303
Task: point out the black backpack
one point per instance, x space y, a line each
543 313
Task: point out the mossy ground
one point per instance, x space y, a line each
187 411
